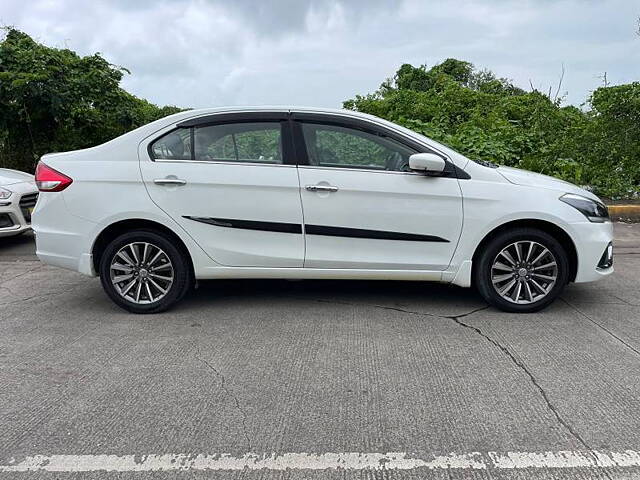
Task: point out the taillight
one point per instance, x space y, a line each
50 180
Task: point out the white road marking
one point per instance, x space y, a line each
323 461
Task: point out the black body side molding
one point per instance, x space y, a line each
371 234
316 230
250 224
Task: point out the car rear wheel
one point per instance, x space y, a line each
144 272
522 270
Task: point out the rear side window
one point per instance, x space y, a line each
239 142
259 142
175 145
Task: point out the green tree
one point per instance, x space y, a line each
54 100
490 118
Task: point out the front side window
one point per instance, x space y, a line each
343 147
239 142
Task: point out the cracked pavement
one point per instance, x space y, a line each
317 366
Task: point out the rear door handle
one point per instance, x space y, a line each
169 181
321 188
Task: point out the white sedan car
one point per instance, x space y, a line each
18 195
309 193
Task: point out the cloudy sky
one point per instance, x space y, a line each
197 53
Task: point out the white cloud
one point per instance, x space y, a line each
202 53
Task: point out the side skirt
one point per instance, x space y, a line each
317 273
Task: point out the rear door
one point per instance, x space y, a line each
230 181
363 208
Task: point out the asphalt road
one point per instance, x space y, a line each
310 376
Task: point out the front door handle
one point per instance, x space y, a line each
321 188
169 181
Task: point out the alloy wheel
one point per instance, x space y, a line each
524 272
141 272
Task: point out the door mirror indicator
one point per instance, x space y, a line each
428 163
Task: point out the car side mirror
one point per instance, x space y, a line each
429 163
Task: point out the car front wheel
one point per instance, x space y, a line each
522 270
144 272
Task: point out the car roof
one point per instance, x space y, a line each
271 108
153 128
157 125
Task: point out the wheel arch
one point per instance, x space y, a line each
551 228
118 228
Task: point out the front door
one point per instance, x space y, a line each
233 187
364 209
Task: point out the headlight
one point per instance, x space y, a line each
4 193
594 211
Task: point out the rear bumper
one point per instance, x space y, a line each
72 258
62 239
591 241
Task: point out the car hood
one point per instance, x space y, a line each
531 179
10 177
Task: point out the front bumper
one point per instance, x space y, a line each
592 241
15 212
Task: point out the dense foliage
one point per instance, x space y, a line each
54 100
489 118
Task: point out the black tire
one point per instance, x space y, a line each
182 276
485 261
